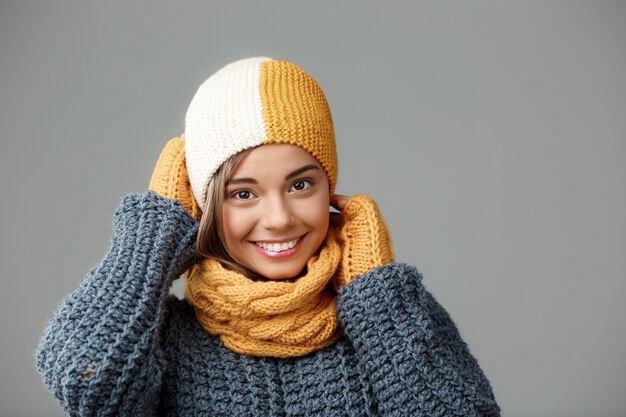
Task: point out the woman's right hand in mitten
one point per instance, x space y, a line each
170 178
364 236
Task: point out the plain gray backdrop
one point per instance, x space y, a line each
491 133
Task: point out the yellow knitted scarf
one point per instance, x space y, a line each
286 319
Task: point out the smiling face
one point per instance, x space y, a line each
276 210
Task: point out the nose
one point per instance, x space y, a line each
277 213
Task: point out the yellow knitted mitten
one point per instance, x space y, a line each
364 238
170 178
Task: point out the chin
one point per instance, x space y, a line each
280 273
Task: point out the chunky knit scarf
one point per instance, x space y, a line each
286 319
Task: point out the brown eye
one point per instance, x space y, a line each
242 195
300 185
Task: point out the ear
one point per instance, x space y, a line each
170 178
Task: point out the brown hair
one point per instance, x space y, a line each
210 239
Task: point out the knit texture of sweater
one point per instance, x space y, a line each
119 345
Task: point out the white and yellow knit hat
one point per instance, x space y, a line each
252 102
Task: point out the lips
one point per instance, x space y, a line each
279 248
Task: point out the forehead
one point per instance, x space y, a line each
275 158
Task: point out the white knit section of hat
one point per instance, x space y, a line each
225 116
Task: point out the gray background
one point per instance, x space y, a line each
492 134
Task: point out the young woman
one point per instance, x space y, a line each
289 309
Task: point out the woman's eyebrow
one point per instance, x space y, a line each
301 170
247 180
244 180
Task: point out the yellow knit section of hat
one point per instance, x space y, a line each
296 112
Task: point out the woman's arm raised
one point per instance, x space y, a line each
410 349
101 354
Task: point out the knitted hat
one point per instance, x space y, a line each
252 102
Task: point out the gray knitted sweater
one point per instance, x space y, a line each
119 345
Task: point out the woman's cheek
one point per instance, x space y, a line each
318 212
236 223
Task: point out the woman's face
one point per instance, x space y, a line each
276 210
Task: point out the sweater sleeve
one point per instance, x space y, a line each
410 349
100 355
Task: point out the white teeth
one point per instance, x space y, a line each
278 247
